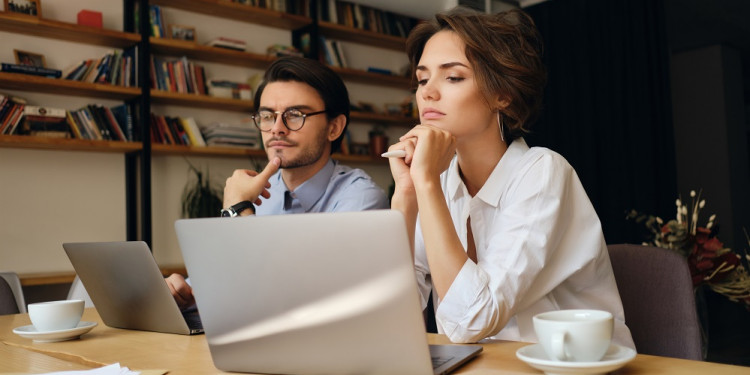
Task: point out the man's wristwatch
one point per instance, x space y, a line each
235 210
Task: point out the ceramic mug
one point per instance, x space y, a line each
574 335
55 315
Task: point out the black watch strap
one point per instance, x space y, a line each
236 209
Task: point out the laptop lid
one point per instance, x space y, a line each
330 293
126 286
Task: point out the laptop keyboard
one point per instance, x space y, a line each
439 361
193 320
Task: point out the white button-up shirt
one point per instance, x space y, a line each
539 246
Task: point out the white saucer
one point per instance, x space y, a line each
616 357
30 332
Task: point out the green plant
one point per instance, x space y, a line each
200 198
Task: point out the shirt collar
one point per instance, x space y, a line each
494 187
313 189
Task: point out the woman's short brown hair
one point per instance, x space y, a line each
505 52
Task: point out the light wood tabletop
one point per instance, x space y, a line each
179 354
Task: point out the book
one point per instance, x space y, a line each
124 119
279 50
339 52
331 57
193 131
79 71
39 119
74 126
100 122
233 44
325 52
12 115
229 89
88 119
14 119
114 124
33 70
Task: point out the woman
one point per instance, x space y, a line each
501 231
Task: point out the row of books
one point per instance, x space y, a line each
365 18
93 121
332 53
98 122
232 135
11 113
116 68
185 131
179 75
156 20
230 89
175 131
299 7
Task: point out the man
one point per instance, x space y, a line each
302 113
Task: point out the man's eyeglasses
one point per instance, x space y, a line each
292 118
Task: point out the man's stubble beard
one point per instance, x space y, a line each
306 157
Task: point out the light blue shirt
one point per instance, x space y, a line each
335 188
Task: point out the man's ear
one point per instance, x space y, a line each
336 127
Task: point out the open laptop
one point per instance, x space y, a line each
127 288
324 293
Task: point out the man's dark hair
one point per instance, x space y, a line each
325 81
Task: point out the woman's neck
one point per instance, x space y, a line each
477 159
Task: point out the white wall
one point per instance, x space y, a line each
50 197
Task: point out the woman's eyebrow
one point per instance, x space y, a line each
443 66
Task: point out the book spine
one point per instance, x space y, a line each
73 125
34 70
120 135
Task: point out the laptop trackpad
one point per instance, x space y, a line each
446 358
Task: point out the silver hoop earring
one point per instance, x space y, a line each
502 127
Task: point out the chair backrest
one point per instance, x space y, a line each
658 300
78 291
13 283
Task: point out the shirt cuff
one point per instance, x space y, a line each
460 305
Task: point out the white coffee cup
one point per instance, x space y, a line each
56 315
574 335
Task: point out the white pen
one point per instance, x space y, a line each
394 154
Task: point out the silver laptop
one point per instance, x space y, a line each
326 293
127 288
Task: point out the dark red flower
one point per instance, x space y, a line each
713 244
705 264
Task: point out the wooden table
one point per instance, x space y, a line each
190 355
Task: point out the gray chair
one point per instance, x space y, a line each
11 294
658 299
78 291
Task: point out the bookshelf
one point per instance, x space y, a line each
25 82
342 32
240 12
66 31
73 157
30 142
140 156
267 17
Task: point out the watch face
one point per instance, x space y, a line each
226 213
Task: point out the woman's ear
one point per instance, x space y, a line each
336 127
502 103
